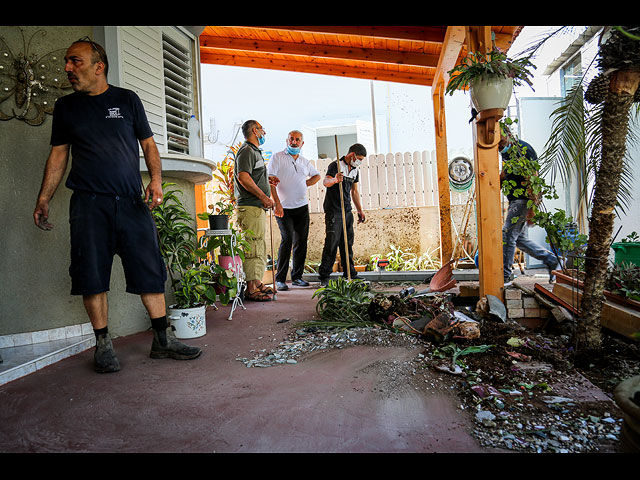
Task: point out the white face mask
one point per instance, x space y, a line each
355 162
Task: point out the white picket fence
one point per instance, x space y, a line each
392 180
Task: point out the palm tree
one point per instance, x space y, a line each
592 141
619 60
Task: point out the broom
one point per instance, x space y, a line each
344 221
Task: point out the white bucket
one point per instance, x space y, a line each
188 322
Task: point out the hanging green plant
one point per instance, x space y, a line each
492 64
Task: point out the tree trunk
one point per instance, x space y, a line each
615 119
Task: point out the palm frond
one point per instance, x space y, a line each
566 146
541 39
573 150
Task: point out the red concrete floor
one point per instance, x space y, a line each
324 404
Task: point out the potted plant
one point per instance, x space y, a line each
225 283
191 281
176 232
489 77
219 218
193 292
223 208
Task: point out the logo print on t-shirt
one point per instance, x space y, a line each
114 113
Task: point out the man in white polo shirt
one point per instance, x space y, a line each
296 174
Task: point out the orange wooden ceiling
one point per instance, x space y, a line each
405 54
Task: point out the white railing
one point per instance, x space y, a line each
392 180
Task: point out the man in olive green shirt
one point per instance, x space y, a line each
253 195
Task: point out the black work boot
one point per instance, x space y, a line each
166 345
105 360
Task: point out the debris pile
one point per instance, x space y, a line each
435 318
309 340
524 404
517 384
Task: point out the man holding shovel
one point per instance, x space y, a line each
341 182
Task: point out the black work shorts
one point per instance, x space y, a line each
104 225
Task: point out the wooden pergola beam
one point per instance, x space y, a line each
390 32
452 47
211 44
420 33
421 77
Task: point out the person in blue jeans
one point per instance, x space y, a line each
514 232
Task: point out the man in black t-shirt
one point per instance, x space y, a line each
101 125
349 176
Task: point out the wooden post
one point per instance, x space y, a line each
486 135
479 38
451 48
444 193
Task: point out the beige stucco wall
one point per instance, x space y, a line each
34 275
412 229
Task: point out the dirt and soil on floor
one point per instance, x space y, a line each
519 385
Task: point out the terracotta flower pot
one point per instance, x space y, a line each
226 262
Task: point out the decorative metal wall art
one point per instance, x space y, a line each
30 85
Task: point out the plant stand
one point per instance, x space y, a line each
238 272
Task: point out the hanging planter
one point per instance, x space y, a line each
490 91
489 77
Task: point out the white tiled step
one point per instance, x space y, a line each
18 361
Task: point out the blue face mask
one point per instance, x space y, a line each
293 150
504 150
261 140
